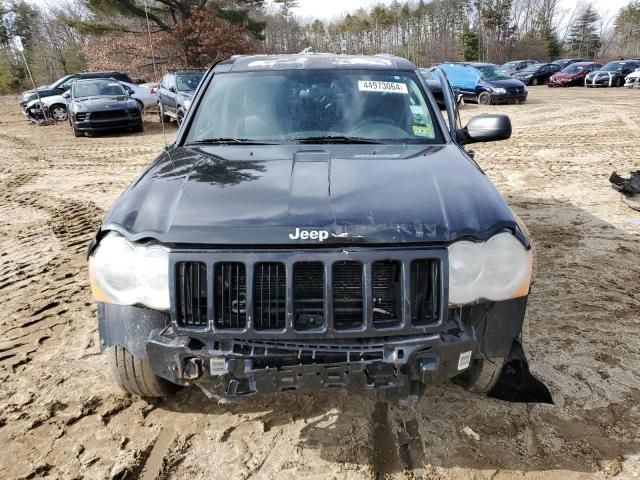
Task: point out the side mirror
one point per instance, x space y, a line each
66 95
485 128
172 89
130 91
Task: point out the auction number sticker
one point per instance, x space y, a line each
384 87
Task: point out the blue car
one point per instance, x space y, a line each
484 83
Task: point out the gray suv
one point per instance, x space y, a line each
175 93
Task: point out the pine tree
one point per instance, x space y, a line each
583 39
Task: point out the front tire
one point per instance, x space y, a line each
77 133
482 375
534 82
180 117
134 375
59 113
484 98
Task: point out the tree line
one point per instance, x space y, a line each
145 37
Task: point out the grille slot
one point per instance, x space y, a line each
386 279
108 114
348 301
230 295
425 280
308 295
191 294
269 296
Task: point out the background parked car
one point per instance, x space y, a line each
63 84
494 85
573 74
537 74
56 105
147 97
99 105
633 79
565 62
516 66
175 93
612 74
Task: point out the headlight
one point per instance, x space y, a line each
186 104
125 273
498 269
499 90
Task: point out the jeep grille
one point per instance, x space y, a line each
295 296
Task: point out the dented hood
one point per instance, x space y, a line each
244 195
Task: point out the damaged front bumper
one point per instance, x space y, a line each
236 368
232 368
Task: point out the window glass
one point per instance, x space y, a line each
296 105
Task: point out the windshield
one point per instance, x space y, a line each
510 65
97 88
492 72
61 81
324 106
573 69
187 83
613 67
531 68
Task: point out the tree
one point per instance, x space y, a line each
583 39
179 30
627 29
469 44
286 6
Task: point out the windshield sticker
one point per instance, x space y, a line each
422 131
383 87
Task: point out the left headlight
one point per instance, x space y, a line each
125 273
499 90
498 269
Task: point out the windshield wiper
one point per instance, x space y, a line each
228 141
336 139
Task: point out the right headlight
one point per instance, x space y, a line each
126 273
498 269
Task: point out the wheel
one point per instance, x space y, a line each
482 375
163 118
534 82
180 117
58 112
139 128
618 82
134 375
484 98
77 133
140 106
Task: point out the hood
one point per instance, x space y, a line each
241 195
507 83
93 103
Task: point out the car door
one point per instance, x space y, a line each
162 92
172 94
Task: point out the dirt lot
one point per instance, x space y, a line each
62 417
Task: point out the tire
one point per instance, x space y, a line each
77 133
180 117
139 128
163 118
484 99
618 82
482 375
134 375
534 82
59 112
140 106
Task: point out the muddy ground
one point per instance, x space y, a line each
62 417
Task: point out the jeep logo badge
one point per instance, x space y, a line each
320 235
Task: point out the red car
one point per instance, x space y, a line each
573 74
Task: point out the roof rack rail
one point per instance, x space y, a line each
173 70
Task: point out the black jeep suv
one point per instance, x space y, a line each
316 224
